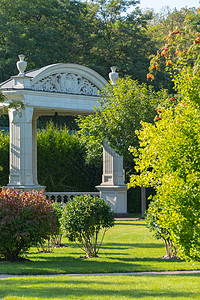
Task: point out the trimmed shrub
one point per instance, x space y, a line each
26 219
83 219
61 162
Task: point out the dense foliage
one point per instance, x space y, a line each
97 33
4 158
54 240
94 33
158 29
168 157
152 220
168 160
118 116
46 31
83 219
179 56
61 162
26 220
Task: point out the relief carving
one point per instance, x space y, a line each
66 83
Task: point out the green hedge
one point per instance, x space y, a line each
4 158
61 162
134 199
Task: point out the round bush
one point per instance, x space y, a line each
26 219
83 219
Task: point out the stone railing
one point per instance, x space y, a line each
65 197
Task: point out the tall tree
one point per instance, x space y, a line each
118 37
118 117
158 29
46 31
168 157
168 160
95 33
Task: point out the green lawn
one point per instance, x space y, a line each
128 247
165 287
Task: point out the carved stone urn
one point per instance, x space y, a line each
21 65
113 75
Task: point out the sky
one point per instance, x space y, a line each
158 4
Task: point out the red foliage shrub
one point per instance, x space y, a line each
26 219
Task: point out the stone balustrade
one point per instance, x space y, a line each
65 197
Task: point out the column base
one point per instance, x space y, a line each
26 188
116 196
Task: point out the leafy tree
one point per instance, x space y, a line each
168 160
118 37
120 111
47 31
26 220
180 54
168 156
94 33
157 29
83 219
166 20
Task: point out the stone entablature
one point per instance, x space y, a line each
66 83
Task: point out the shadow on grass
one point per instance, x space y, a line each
147 259
133 245
122 223
123 246
68 265
68 288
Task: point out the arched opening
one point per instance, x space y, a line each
63 89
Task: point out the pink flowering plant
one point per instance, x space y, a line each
26 219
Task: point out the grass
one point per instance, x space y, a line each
128 247
165 287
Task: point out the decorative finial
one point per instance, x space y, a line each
113 75
21 65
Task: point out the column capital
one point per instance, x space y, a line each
21 115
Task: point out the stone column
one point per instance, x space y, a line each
23 158
113 189
34 147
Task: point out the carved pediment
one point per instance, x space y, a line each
66 83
